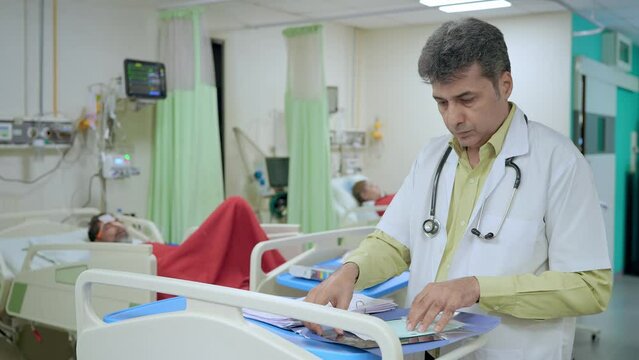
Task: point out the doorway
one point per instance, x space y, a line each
218 66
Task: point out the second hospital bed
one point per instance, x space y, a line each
33 290
34 294
316 248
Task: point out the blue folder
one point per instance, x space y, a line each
475 324
387 287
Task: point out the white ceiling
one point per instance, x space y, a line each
619 15
226 15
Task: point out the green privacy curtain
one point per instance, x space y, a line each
186 183
310 202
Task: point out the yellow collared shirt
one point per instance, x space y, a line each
468 184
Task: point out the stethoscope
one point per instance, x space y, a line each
431 225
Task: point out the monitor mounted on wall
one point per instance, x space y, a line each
144 79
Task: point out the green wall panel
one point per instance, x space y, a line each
626 122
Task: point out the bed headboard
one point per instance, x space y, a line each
43 222
56 221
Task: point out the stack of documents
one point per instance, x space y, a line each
399 327
275 320
360 303
368 305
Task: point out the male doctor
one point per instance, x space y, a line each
536 259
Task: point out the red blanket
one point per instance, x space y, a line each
219 251
384 200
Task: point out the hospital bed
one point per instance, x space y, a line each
316 248
211 325
272 230
44 295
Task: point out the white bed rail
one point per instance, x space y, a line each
88 321
273 231
98 248
280 231
142 228
465 349
320 246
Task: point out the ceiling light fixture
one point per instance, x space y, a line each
433 3
474 6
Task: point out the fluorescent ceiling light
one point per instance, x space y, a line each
483 5
432 3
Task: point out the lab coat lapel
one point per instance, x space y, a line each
515 144
446 182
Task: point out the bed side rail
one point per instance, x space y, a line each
318 245
371 326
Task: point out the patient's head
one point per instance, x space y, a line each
365 190
106 228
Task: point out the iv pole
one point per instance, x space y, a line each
105 130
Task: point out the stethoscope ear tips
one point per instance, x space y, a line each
476 232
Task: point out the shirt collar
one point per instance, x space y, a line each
496 141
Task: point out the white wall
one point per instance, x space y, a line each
255 83
94 38
388 85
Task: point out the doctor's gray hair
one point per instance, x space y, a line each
456 45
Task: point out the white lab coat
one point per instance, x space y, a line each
555 223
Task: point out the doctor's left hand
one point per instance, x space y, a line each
442 297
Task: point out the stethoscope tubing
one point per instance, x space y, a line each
440 167
431 225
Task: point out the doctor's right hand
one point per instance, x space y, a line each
336 290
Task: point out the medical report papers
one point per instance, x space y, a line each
359 303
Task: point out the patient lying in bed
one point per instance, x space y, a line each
365 190
218 252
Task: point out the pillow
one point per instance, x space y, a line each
343 190
63 256
346 206
14 250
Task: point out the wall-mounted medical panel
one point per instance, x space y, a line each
18 134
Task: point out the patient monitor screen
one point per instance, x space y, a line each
144 79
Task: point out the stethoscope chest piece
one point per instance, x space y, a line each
430 227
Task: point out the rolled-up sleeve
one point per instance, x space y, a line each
379 257
549 295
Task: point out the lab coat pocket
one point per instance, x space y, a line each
517 247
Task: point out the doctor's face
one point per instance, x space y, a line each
471 107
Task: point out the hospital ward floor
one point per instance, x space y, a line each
617 339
